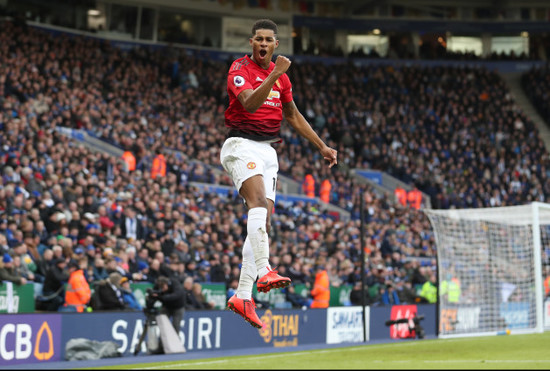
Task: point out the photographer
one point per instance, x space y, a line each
172 296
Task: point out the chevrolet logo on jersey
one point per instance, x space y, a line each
274 94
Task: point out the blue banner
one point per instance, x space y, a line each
373 175
205 330
30 338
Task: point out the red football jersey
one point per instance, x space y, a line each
265 123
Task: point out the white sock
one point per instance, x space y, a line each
248 272
257 234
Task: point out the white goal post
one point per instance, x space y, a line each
490 269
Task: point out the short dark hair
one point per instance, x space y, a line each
264 24
163 280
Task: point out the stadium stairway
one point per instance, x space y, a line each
513 80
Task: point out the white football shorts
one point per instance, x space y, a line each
243 158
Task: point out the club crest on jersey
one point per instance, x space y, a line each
251 165
238 81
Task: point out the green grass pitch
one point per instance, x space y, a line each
492 352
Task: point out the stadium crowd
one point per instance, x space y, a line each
453 131
536 84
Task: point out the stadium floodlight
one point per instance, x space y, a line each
490 269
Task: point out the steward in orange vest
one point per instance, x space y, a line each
321 289
159 166
78 290
130 160
401 195
309 186
414 196
324 191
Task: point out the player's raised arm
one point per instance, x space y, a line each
250 99
300 124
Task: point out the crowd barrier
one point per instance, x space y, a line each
37 338
22 297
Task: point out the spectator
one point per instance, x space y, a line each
8 273
201 302
357 292
191 301
23 261
53 292
390 295
295 299
109 293
99 270
130 301
405 291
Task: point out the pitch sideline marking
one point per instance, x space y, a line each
353 348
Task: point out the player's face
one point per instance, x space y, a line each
263 45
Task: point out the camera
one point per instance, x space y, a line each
415 327
151 297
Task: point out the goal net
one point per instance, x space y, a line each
490 268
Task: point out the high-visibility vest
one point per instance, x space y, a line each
159 166
547 286
78 291
130 160
414 196
452 289
401 195
429 292
324 192
309 186
321 290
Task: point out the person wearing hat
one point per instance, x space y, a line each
78 293
8 273
128 296
110 294
53 293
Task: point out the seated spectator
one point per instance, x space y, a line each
44 263
154 271
53 292
232 288
142 274
109 293
191 302
200 298
4 247
99 269
389 296
23 262
357 293
297 300
8 272
405 291
130 300
78 293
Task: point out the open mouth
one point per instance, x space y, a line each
263 53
